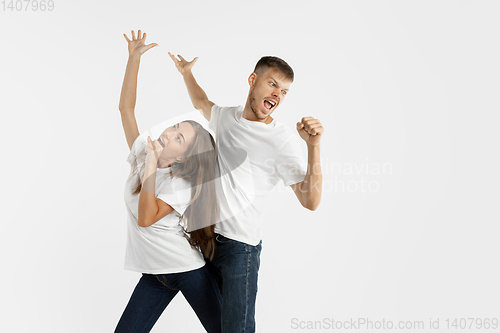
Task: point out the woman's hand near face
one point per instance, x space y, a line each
151 209
153 151
137 46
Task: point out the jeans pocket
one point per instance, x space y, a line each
223 240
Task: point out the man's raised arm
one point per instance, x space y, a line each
309 191
198 97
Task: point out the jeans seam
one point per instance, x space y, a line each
258 256
246 286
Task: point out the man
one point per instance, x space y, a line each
273 154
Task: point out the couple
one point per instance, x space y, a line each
174 207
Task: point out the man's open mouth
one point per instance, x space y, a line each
268 104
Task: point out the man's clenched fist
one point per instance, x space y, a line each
310 130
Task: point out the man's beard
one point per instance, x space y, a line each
253 107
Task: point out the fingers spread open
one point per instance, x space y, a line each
151 46
133 35
124 35
173 58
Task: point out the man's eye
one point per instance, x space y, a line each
272 84
283 92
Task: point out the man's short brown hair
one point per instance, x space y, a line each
273 62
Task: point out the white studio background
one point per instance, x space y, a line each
407 92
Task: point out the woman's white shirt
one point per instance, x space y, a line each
160 248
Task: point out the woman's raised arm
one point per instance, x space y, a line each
136 47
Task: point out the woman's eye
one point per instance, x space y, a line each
179 139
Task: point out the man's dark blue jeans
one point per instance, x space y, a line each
154 292
236 268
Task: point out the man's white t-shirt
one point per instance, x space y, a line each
160 248
271 152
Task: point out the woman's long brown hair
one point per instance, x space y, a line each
200 168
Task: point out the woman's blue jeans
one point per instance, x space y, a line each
236 268
154 292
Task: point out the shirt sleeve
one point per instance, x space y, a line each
177 194
290 165
214 118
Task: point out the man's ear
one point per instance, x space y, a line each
252 79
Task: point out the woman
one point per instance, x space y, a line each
170 183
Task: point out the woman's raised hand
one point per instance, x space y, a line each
182 65
137 46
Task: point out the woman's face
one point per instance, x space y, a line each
175 140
